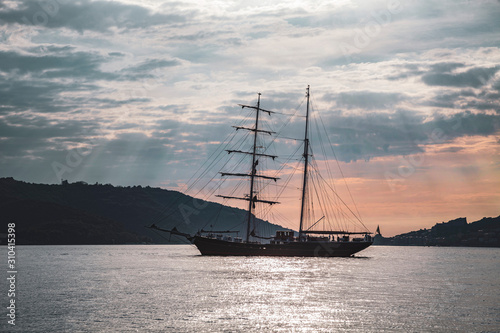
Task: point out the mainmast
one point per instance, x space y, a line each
306 161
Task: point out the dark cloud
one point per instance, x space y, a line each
56 65
474 77
445 74
375 134
36 127
51 48
39 79
466 99
143 69
496 85
39 96
107 103
116 54
86 15
49 62
450 100
406 71
446 67
31 143
451 149
402 133
463 124
35 143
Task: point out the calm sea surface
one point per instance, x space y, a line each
171 288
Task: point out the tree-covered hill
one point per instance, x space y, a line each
80 213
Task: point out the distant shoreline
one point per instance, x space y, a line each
456 233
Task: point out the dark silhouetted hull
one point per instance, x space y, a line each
215 247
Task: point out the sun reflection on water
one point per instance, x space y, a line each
172 289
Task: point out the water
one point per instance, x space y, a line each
171 288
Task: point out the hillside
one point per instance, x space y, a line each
80 213
457 232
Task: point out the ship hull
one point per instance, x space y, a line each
215 247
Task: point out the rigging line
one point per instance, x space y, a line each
279 131
240 143
169 207
338 165
285 124
217 213
233 212
228 140
160 215
327 167
183 239
187 197
283 165
283 217
317 185
326 193
323 198
288 138
221 149
357 218
327 207
342 216
341 213
218 151
288 114
223 181
214 220
318 131
285 186
201 189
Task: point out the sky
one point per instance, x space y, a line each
143 92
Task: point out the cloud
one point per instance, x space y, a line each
38 96
429 74
368 135
61 62
100 16
54 78
446 67
60 65
144 69
24 125
464 124
366 99
152 64
474 77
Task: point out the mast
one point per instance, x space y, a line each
254 166
252 197
306 162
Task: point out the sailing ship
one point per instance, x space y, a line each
308 243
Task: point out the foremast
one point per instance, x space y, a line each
252 196
253 172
